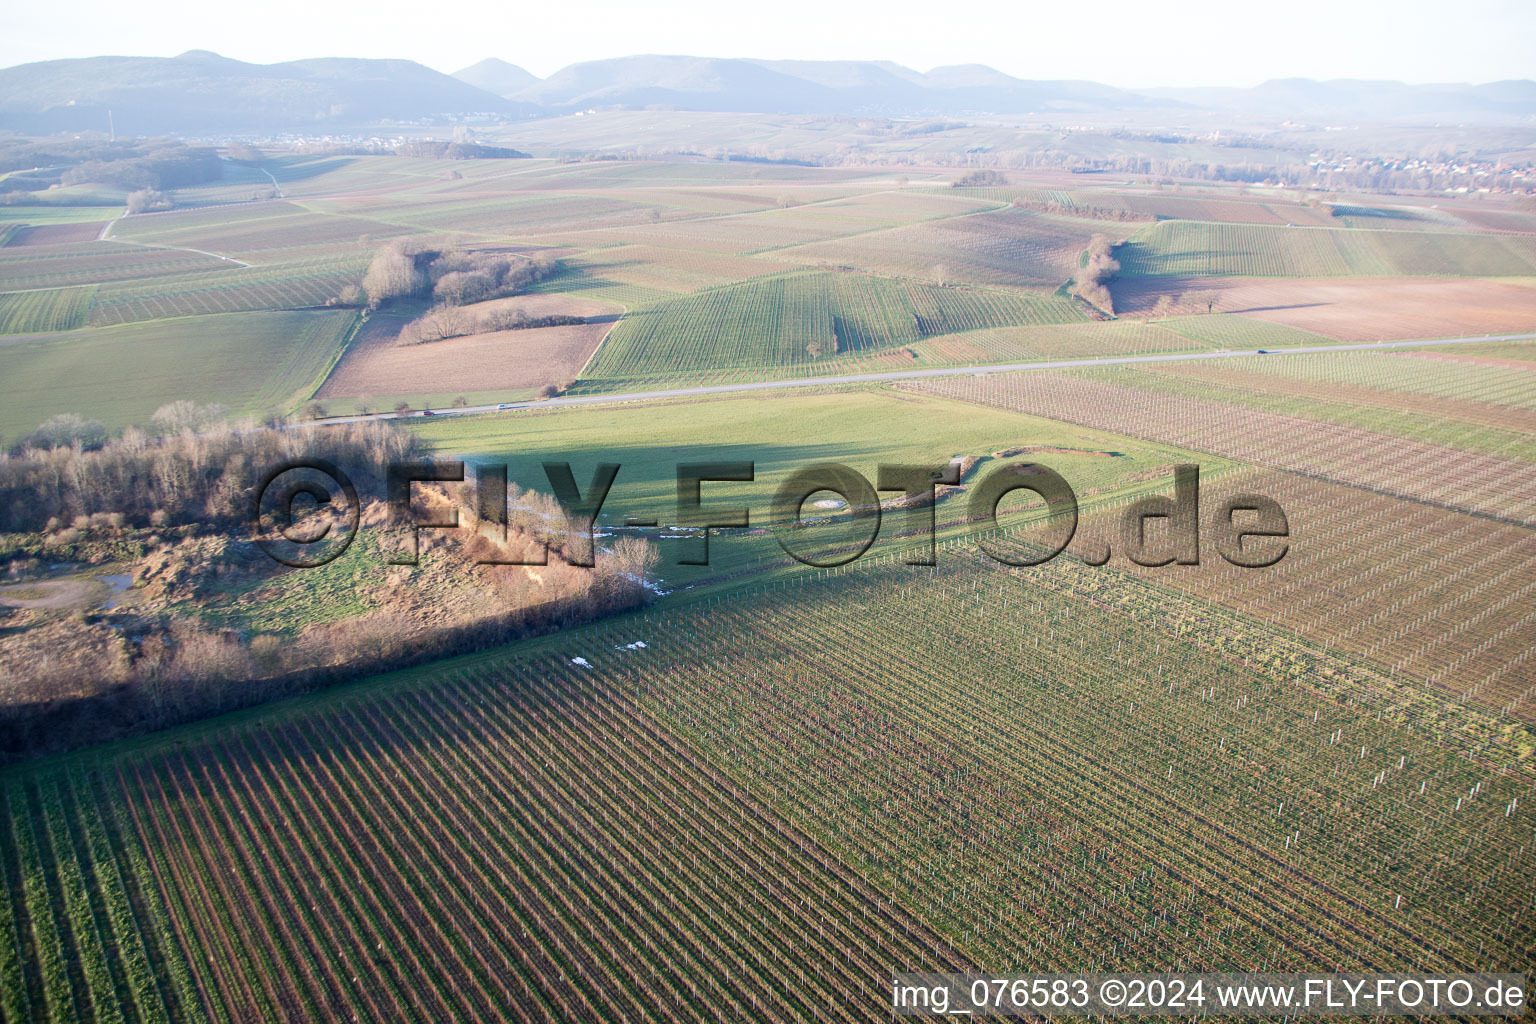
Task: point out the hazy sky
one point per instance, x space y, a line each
1121 42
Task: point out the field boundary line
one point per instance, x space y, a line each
178 248
955 371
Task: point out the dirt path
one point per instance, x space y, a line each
954 371
52 593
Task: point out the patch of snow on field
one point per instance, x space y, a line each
583 662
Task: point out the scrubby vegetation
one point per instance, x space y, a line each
439 149
212 624
981 179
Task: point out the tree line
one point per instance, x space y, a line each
450 277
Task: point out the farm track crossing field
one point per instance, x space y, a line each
57 266
801 321
256 230
302 284
253 363
53 309
1189 248
513 842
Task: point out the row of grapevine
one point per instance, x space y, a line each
1410 372
85 263
298 284
1066 759
503 845
1467 425
1201 249
54 309
802 319
1409 582
1484 485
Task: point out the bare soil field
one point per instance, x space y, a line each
1359 309
531 358
55 234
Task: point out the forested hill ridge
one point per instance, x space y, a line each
202 93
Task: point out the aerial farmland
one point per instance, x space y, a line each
726 580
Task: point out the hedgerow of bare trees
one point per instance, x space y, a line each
443 322
201 470
1092 281
451 277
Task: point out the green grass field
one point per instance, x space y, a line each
861 428
254 363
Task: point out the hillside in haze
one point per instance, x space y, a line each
201 93
812 87
497 76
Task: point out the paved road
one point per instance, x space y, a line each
955 371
